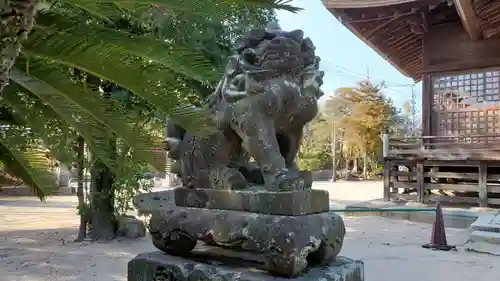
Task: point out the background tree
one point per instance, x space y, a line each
370 113
353 118
314 151
335 109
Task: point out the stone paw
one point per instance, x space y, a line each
289 184
236 181
308 179
289 181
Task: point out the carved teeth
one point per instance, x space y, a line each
291 84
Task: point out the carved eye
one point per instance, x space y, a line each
249 56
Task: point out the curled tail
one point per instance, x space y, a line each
173 139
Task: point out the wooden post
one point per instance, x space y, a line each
387 165
483 185
387 180
385 143
334 152
427 101
420 181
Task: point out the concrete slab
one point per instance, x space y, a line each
453 217
482 241
496 220
487 222
485 236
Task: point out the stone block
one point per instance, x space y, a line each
158 266
288 203
487 222
485 236
130 227
147 203
288 243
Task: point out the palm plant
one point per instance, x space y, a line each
44 95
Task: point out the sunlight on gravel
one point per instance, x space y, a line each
36 245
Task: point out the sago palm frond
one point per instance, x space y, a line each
30 165
150 82
105 112
209 9
179 59
87 126
55 134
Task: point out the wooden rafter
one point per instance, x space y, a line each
338 4
469 18
384 54
393 28
379 27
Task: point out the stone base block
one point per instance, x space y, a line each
130 227
288 203
158 266
288 243
147 203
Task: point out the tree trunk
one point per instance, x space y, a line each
16 21
355 165
80 168
365 166
347 171
102 193
102 210
342 158
334 152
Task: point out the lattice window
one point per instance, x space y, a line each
467 104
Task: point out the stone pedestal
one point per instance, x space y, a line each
288 243
158 266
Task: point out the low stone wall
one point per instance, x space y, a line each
321 175
23 190
453 217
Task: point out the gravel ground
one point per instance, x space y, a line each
36 245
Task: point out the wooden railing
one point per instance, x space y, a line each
465 147
466 166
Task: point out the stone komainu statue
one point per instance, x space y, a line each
267 95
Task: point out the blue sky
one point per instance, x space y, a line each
344 58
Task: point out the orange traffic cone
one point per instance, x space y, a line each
438 238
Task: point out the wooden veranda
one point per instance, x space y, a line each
452 46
